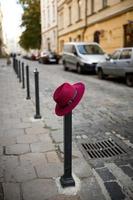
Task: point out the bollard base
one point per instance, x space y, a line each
37 117
67 181
28 97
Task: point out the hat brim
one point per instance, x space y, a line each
80 91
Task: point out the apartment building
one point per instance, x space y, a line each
108 22
1 33
49 24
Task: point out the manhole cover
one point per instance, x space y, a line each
102 149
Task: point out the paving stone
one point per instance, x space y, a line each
81 168
7 140
52 157
27 139
39 189
38 124
131 162
1 192
14 132
36 130
19 173
57 136
49 170
1 150
45 138
11 191
114 190
127 170
96 163
75 151
65 197
90 190
33 159
105 174
41 147
17 149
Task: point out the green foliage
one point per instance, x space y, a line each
31 36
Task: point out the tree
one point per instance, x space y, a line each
31 36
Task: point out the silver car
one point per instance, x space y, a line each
82 56
120 64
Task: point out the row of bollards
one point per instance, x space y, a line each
21 71
67 179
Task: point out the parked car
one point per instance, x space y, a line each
82 56
47 57
120 64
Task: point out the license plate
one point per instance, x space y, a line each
52 60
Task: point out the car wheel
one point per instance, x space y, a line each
79 69
65 66
129 80
101 74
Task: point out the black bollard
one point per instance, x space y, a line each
23 79
13 62
20 72
17 68
37 102
67 179
28 82
15 65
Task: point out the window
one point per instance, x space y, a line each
96 36
104 3
92 6
61 20
116 55
48 15
61 45
79 9
70 39
79 38
68 48
53 8
126 54
90 49
70 15
128 34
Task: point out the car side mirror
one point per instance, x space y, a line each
108 58
75 53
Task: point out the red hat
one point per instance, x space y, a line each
67 96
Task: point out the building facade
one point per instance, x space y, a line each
49 24
1 33
108 22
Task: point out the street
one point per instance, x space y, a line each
32 153
107 105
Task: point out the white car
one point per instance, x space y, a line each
120 64
82 56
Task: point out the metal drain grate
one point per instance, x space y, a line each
103 149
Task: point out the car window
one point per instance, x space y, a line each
90 49
68 48
74 49
116 55
126 54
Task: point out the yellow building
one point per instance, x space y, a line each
1 33
108 22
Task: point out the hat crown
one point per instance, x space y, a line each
64 94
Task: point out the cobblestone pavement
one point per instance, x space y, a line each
31 151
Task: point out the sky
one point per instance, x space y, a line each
12 13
